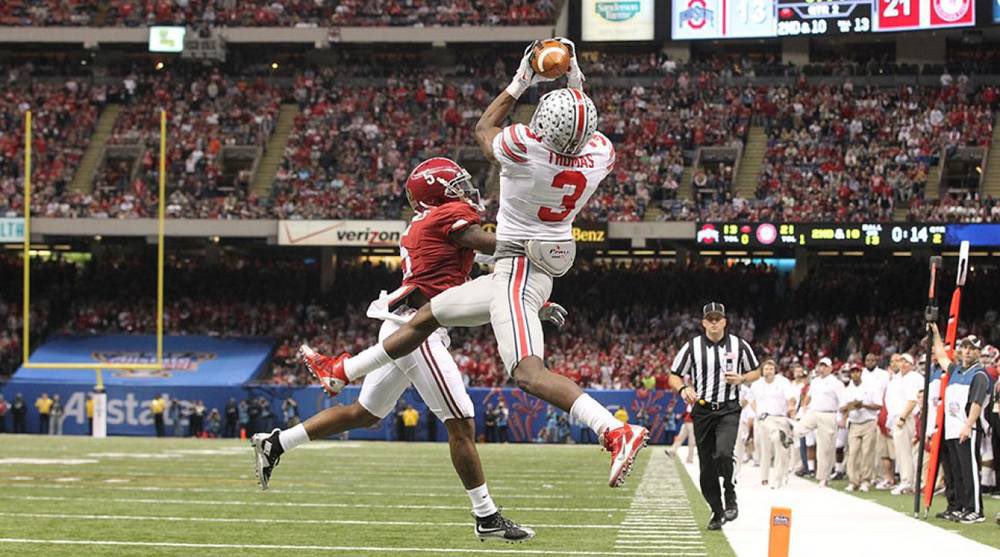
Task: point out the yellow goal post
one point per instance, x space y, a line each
26 254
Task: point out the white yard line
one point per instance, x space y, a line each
331 522
828 522
89 499
314 491
332 548
656 519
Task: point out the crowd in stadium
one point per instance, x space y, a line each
261 13
834 152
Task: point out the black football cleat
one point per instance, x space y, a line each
715 521
267 452
496 527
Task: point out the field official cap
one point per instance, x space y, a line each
714 307
825 362
973 341
908 358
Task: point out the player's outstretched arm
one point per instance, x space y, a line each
491 122
489 125
474 237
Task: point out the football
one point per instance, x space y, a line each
551 59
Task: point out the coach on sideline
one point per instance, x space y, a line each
718 363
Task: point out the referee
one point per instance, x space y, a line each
718 363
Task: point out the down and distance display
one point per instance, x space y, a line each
729 19
845 235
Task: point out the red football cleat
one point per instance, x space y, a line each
328 371
624 443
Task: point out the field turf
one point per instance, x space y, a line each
146 496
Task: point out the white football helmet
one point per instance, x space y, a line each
565 120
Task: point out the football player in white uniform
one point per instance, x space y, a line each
548 171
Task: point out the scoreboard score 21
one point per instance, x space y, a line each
722 19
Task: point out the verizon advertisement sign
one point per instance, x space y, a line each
361 233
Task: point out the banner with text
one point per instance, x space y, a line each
361 233
530 419
11 230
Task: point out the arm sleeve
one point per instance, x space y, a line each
979 390
510 148
748 360
682 362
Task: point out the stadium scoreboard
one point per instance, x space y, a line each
844 235
730 19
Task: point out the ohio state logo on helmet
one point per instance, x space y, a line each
565 120
438 181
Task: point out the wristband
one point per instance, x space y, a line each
517 88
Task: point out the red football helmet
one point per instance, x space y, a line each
438 181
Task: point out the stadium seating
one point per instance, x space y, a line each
840 154
63 119
365 13
19 13
834 152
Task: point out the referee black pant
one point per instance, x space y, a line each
961 462
715 435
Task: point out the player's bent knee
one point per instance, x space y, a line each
424 321
362 417
461 429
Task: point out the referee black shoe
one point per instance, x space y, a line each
496 527
715 521
266 454
946 514
732 510
972 517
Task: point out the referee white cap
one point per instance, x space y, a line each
713 307
908 357
825 362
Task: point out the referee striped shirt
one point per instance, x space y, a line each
707 362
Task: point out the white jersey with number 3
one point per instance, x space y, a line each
541 191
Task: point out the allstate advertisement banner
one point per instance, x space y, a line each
529 417
188 360
11 230
618 20
361 233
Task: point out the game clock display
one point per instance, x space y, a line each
724 19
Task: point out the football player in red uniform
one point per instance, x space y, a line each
437 252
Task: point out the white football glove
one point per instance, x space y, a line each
574 77
484 259
553 313
525 76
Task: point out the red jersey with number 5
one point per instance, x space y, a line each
541 191
432 262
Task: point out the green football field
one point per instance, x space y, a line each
144 496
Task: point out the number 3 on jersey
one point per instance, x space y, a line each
566 178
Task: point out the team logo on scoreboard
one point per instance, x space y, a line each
708 234
617 11
767 234
951 10
697 14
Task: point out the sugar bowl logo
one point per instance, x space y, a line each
951 10
173 362
697 14
617 11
